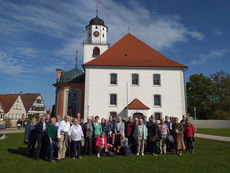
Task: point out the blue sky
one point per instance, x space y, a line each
36 37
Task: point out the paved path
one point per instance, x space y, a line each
12 130
198 135
218 138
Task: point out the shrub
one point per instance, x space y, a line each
31 116
220 115
7 122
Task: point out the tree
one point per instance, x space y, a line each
221 91
199 90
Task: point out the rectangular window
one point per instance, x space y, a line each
157 115
113 114
135 79
157 100
156 79
113 99
113 78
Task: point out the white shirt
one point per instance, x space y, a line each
103 141
44 126
63 126
76 132
57 123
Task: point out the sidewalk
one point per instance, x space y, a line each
218 138
12 130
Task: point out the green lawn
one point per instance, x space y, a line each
210 156
218 132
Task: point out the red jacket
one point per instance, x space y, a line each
189 131
99 143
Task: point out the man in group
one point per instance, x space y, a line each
62 135
40 133
183 121
45 140
129 133
145 122
48 120
58 120
79 117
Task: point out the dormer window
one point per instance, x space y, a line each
96 52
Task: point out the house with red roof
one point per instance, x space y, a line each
130 78
18 106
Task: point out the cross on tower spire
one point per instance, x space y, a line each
76 58
97 10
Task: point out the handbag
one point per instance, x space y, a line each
153 138
170 138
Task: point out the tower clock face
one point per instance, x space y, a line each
96 34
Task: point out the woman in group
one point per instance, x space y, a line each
189 132
163 129
178 133
106 128
123 148
119 127
140 134
101 144
97 130
51 132
75 136
113 144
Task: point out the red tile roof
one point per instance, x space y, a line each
7 101
137 104
131 52
28 99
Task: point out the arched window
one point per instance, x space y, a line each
96 52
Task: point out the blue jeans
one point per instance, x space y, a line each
51 151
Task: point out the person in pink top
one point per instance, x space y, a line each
163 128
101 144
189 132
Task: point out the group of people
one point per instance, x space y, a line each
109 137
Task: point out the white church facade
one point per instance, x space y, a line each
128 78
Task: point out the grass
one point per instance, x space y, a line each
217 132
210 156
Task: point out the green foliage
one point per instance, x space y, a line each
210 95
220 115
31 116
7 122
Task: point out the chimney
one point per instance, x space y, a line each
59 72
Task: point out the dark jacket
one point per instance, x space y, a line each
152 129
30 133
39 131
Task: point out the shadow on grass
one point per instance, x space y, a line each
20 151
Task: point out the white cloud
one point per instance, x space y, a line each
215 54
27 51
217 32
10 65
65 20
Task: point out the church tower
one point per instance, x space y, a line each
96 39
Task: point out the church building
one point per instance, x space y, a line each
128 78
